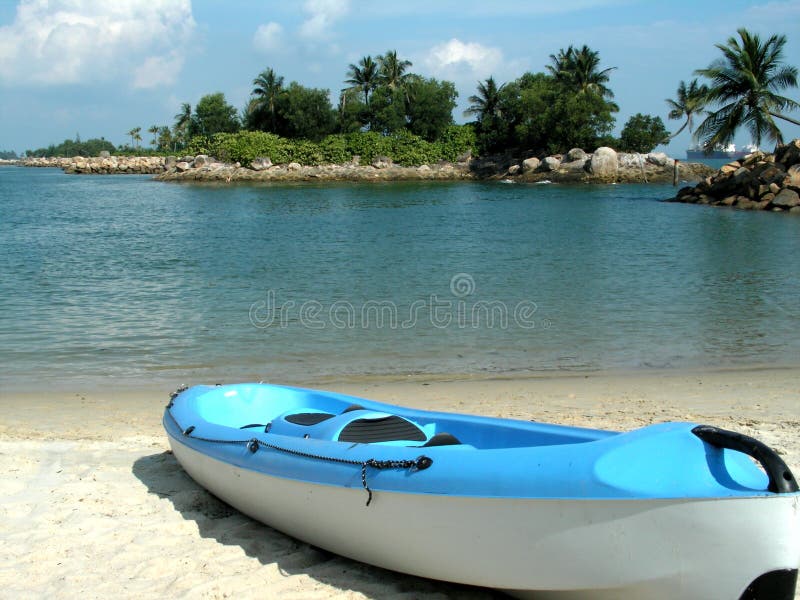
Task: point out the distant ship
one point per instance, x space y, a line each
721 151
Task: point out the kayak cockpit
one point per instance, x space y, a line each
332 417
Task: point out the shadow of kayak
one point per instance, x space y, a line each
218 521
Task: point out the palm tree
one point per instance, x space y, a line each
391 70
578 69
363 76
154 129
746 82
690 100
165 139
486 103
183 121
268 86
135 137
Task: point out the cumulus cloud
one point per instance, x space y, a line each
268 37
470 58
52 42
322 14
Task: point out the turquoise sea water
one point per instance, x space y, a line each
123 280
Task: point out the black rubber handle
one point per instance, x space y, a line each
781 480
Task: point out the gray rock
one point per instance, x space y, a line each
182 166
261 163
201 160
793 176
574 166
550 163
530 164
576 154
513 169
604 162
170 162
660 159
104 154
787 198
382 162
294 166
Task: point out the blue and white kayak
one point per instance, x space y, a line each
675 510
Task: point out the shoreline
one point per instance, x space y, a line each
624 168
120 385
90 481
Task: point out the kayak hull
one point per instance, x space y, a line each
645 548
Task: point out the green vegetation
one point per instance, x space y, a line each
402 147
642 133
744 84
70 148
387 110
690 101
8 155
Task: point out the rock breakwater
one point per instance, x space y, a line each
758 182
104 165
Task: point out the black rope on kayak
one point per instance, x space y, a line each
253 445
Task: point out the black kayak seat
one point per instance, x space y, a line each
308 419
442 439
383 429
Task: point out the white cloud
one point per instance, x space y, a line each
456 57
269 37
322 14
53 42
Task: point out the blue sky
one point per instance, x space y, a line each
100 67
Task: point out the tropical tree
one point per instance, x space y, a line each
304 113
165 141
486 103
429 106
486 107
642 133
689 101
745 83
267 88
213 114
136 137
363 76
154 129
579 70
183 121
392 70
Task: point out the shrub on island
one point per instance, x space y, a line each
402 147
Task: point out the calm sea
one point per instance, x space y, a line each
120 280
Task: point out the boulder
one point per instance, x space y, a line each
604 162
530 164
660 159
260 163
513 169
574 166
201 160
786 198
294 166
550 163
788 154
382 162
170 162
104 154
576 154
793 176
182 166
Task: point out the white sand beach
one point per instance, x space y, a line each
93 505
